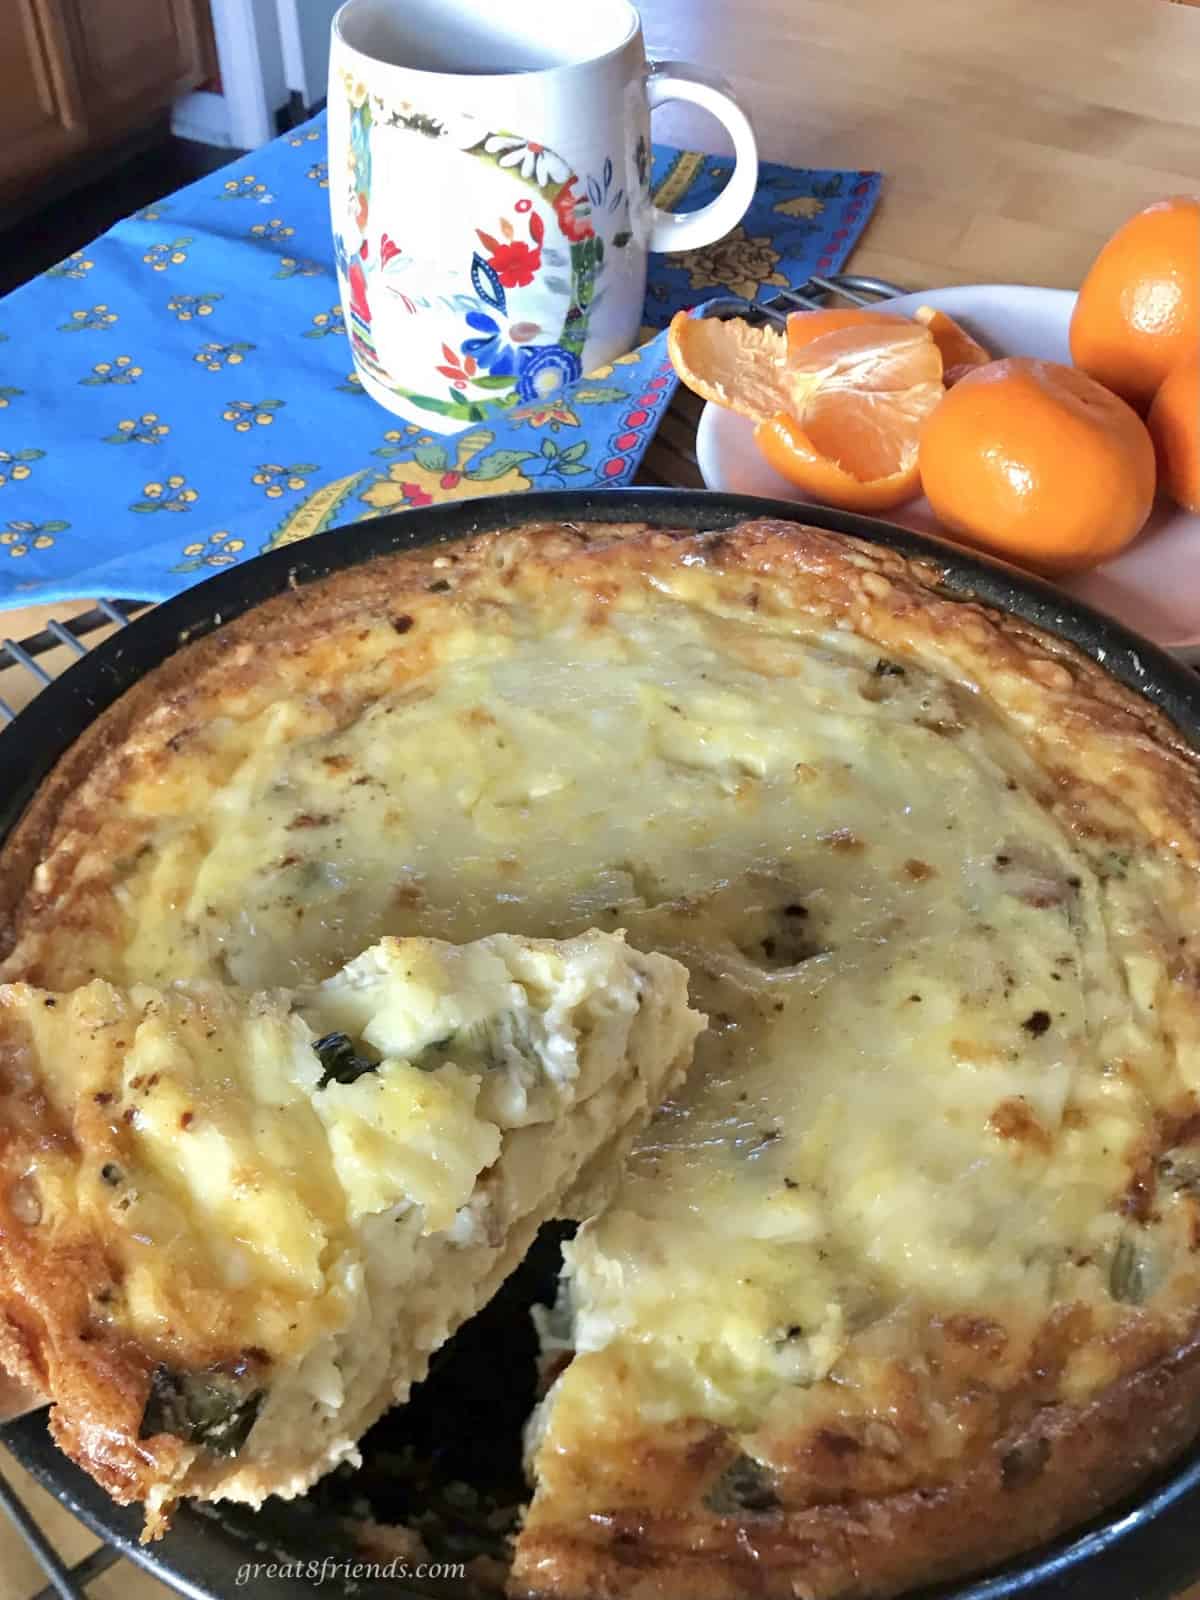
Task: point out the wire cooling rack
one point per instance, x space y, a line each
27 665
22 655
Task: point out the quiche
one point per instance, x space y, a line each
237 1225
905 1276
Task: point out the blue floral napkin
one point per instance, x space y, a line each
180 395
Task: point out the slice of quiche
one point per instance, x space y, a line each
234 1226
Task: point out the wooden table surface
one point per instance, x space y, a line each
1014 135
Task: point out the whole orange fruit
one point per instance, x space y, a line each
1174 423
1038 463
1138 311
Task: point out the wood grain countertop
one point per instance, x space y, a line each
1013 135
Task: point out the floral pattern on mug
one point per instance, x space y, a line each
534 161
573 211
512 260
533 273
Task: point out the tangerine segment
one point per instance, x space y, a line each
805 326
1038 462
1138 312
871 433
731 363
854 443
868 388
1174 423
868 359
791 451
960 352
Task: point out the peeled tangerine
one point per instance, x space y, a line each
1039 463
838 400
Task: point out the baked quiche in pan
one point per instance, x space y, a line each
905 1276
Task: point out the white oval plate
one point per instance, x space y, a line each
1153 587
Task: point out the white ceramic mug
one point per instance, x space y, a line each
489 182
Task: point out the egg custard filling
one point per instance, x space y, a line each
905 1276
299 1195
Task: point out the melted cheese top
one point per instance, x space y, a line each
944 1015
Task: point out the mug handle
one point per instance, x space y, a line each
686 230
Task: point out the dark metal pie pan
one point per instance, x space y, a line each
463 1423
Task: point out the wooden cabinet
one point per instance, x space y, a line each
41 116
79 76
130 53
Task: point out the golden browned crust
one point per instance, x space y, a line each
1061 1470
48 1336
1112 767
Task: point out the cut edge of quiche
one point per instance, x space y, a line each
237 1225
